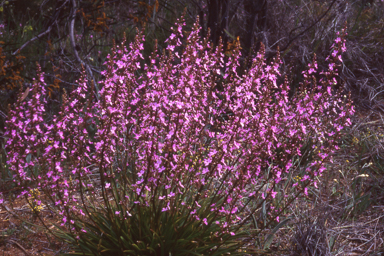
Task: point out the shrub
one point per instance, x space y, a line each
178 154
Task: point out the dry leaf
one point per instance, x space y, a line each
25 94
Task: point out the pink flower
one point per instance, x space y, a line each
167 208
165 133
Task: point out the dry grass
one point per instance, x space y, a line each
345 216
21 232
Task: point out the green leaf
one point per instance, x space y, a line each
229 34
269 238
151 249
136 247
28 158
129 251
331 242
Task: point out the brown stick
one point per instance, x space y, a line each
11 241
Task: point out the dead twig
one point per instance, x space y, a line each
11 241
33 39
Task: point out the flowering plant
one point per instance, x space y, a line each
181 141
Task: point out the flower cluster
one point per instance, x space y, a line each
34 200
182 132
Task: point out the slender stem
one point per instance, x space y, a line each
73 45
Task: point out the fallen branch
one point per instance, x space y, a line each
33 39
11 241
